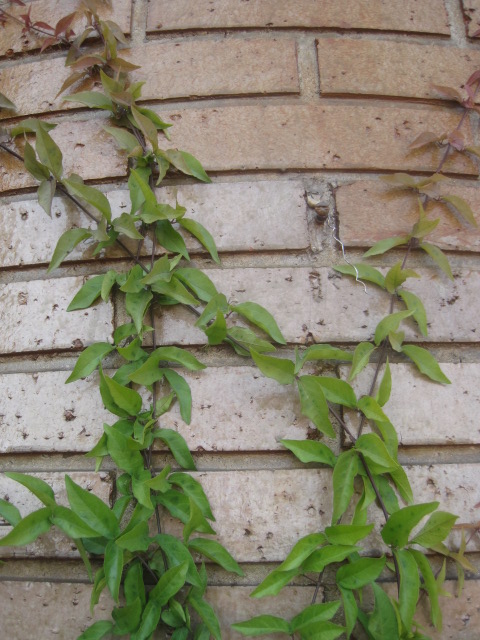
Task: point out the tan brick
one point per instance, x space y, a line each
429 17
51 611
371 210
29 236
50 11
234 409
381 68
34 318
170 70
425 413
471 10
268 137
321 305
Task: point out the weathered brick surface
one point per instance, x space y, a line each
29 236
471 10
234 409
371 210
425 413
271 136
170 70
387 15
34 318
12 41
379 67
321 305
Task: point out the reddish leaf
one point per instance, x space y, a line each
48 42
475 77
64 23
477 33
449 92
457 140
19 2
427 137
43 25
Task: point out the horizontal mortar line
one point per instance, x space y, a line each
273 30
385 98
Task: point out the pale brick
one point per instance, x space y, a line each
425 413
29 236
50 11
49 610
170 70
471 10
321 305
372 210
234 409
381 68
268 137
425 16
34 318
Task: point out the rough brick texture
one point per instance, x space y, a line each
294 108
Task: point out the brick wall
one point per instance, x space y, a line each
277 99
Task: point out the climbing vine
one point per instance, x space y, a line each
154 578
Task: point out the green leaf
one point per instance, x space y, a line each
360 572
273 583
9 512
338 391
347 534
169 584
135 539
310 451
438 257
424 227
383 621
5 103
113 565
127 399
426 363
160 271
76 187
430 584
136 305
71 524
28 529
146 126
409 586
107 284
375 452
350 609
91 510
198 282
262 625
207 614
346 468
361 358
400 524
435 530
31 125
396 339
121 450
385 388
301 550
215 551
385 245
314 614
127 618
313 403
87 295
38 171
390 324
182 391
193 489
45 193
247 340
462 207
89 360
67 243
134 586
38 487
261 318
202 235
48 152
322 352
402 483
396 276
175 290
217 331
280 369
177 553
92 99
186 163
365 272
150 619
126 224
170 239
177 445
124 138
97 630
